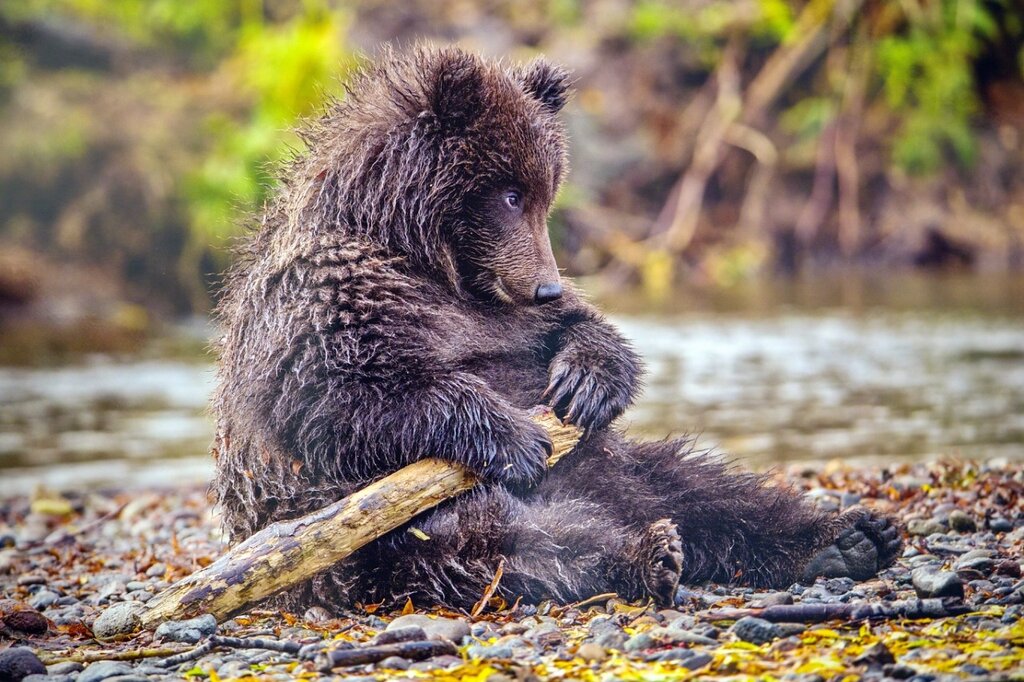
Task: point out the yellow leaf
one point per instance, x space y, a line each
420 535
408 608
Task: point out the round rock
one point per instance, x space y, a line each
930 582
102 670
122 618
452 629
19 662
756 630
188 631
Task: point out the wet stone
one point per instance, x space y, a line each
930 582
42 599
452 629
756 630
394 663
66 668
17 662
961 522
1000 525
187 631
761 601
924 527
102 670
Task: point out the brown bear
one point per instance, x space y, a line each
399 299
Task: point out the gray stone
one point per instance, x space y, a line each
120 619
1000 525
43 598
65 668
453 629
394 663
47 678
639 642
756 630
771 599
489 651
188 631
961 522
102 670
930 582
924 527
437 662
678 636
19 661
697 661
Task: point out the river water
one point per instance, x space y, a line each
871 368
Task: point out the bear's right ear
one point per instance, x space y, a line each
547 83
458 88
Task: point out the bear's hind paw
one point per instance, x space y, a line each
866 543
663 561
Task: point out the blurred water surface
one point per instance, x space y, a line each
867 368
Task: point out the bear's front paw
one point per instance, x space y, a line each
522 458
583 393
866 543
662 557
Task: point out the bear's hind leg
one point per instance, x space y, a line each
560 549
737 527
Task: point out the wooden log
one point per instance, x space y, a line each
288 552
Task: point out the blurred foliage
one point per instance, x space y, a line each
141 135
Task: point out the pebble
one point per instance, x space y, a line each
489 651
187 631
961 522
930 582
102 670
437 663
453 629
119 619
47 678
591 651
772 599
42 599
1000 525
924 527
394 663
19 661
756 630
66 668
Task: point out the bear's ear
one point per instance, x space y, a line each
547 83
458 88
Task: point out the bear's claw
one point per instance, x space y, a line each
865 544
664 561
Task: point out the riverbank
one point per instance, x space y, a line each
67 558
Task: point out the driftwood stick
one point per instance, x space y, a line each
288 552
413 651
818 613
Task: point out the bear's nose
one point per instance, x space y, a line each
548 292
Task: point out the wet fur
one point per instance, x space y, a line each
363 331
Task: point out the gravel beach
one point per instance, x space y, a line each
950 609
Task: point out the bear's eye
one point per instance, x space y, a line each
513 199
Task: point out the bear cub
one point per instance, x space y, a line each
399 299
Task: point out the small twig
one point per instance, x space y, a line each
489 592
413 651
596 599
94 656
186 656
283 646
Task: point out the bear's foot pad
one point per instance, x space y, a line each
663 560
866 543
